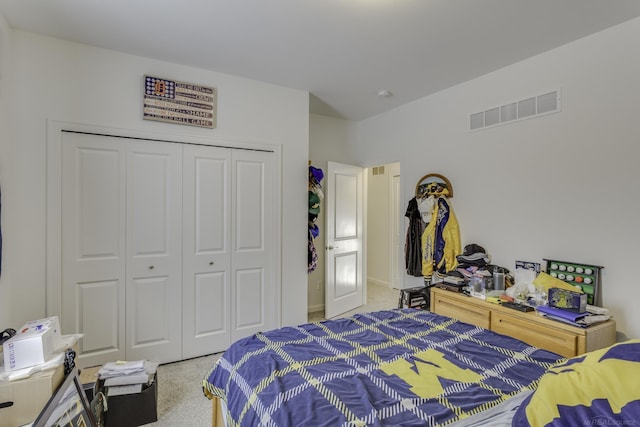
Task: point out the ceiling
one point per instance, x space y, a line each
343 52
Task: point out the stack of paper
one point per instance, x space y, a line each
576 319
127 377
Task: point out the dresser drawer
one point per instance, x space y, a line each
529 327
536 334
468 313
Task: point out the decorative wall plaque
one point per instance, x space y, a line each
179 102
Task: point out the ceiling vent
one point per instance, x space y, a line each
547 103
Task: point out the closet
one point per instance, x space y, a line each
167 248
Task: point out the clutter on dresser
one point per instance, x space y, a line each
481 278
532 289
460 287
556 298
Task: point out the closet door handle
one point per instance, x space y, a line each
151 267
211 262
330 247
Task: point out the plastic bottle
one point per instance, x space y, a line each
498 279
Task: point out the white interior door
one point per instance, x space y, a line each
253 293
154 251
344 239
206 250
93 245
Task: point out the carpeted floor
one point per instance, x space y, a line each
180 398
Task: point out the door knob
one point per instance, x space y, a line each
210 262
330 247
151 267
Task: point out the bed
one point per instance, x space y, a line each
409 367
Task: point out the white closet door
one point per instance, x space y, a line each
154 251
206 250
168 250
252 258
93 245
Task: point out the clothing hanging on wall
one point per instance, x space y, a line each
312 256
440 240
315 197
412 244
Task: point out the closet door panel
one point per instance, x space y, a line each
206 249
99 318
250 205
210 289
249 310
93 246
252 257
150 327
154 258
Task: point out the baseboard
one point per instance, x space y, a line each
379 282
315 308
320 307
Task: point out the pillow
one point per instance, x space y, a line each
601 387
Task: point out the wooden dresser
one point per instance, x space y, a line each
529 327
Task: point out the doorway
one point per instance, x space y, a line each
384 237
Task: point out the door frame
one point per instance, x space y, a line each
396 258
361 232
55 129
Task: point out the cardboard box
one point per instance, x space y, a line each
130 410
89 380
567 300
34 344
27 397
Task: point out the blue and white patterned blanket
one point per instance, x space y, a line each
398 367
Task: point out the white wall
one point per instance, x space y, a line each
62 81
563 186
5 163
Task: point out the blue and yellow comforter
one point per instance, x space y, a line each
398 367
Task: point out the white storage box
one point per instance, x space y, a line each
34 344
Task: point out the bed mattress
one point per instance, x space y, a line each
396 367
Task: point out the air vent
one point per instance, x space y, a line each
378 170
547 103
